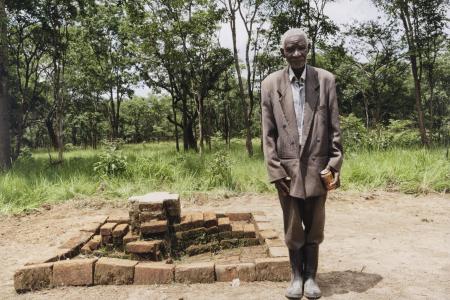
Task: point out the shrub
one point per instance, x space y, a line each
399 133
354 133
112 162
25 154
220 171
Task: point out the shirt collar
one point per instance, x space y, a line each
292 77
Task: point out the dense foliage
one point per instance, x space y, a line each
74 65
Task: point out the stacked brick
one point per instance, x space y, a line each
106 271
110 234
153 229
208 232
152 213
150 218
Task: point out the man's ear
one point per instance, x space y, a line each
282 52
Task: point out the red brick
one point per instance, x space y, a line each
195 273
120 230
278 251
153 273
114 271
263 226
260 218
224 224
243 271
210 219
274 243
250 242
212 230
197 219
107 228
150 205
92 244
267 234
59 255
154 226
239 216
75 243
190 221
249 231
143 247
229 243
130 237
106 239
146 216
273 269
74 272
93 227
119 218
185 223
237 230
33 277
86 250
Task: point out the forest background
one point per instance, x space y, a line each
71 125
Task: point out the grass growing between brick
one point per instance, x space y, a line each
222 171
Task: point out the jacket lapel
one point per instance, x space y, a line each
312 97
286 100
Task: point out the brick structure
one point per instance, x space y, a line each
153 230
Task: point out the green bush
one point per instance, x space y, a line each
354 134
398 133
25 154
220 171
112 162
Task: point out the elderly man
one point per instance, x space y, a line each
301 137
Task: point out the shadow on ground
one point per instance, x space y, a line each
343 282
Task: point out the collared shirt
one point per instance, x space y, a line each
298 93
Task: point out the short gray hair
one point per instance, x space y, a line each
293 31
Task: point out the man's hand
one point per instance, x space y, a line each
336 180
282 185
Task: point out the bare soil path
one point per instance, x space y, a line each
377 246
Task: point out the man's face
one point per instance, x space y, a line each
295 51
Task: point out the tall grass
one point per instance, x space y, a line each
157 166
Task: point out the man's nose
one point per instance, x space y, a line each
297 52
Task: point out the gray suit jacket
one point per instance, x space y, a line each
321 132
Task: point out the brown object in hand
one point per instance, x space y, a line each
327 178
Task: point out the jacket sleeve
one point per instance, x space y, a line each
334 130
270 135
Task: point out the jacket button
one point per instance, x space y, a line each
318 140
284 125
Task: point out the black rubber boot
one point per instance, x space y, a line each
295 288
311 256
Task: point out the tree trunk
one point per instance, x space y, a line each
418 96
5 138
247 123
51 130
413 52
174 112
200 109
191 142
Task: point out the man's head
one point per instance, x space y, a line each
294 47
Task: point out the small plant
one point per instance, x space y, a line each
112 162
220 171
25 154
69 147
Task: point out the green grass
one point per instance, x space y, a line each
157 166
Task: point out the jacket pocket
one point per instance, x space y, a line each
321 162
291 166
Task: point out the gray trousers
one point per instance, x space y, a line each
304 220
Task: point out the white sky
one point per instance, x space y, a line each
340 11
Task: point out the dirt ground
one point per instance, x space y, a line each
377 246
